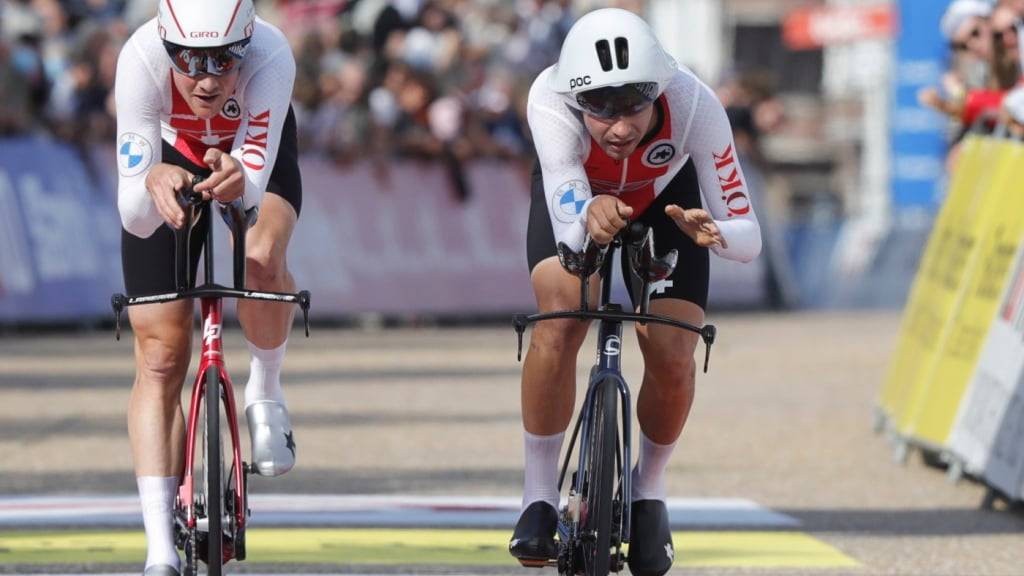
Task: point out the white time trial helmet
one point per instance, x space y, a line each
205 36
611 63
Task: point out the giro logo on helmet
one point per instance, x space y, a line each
211 34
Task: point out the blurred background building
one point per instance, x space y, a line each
390 92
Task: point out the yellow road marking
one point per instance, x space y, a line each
416 547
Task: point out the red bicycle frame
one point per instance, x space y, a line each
211 296
212 358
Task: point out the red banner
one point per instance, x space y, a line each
811 28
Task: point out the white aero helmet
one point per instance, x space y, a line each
205 23
611 63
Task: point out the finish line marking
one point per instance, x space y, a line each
420 547
368 511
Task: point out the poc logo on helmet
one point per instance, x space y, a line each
211 34
579 81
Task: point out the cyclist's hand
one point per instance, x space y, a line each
698 225
606 215
226 182
163 182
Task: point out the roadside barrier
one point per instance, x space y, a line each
939 393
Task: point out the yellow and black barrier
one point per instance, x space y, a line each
962 284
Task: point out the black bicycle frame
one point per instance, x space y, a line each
609 364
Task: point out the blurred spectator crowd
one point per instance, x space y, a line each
982 90
438 79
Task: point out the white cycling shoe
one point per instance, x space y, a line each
273 443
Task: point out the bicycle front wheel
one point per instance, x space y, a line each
596 527
213 470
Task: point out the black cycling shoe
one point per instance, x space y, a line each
650 539
533 541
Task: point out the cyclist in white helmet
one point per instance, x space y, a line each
623 133
203 89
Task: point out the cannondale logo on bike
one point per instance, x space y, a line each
612 346
211 332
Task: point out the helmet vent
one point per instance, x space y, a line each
604 55
622 52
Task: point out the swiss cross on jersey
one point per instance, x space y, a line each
195 135
632 179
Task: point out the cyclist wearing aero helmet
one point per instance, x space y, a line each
622 132
203 89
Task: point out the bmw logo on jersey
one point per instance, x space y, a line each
134 154
569 199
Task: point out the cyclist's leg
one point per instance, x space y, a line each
548 384
162 334
666 393
669 370
155 423
266 324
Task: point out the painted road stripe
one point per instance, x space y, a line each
375 511
417 547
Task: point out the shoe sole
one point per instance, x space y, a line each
533 562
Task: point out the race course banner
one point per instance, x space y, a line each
396 242
939 280
994 245
988 434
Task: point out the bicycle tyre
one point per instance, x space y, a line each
600 476
212 487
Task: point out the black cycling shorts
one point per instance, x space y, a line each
148 263
688 282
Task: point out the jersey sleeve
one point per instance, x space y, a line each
138 100
723 187
566 188
267 97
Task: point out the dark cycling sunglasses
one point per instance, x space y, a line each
194 62
615 101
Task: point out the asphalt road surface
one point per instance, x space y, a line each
410 456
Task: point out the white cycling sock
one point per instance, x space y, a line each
265 374
649 473
541 474
156 494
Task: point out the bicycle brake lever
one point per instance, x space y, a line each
117 302
304 304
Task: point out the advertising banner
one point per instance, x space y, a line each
943 384
59 235
395 240
939 278
917 133
988 433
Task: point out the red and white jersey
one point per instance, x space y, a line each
150 109
693 126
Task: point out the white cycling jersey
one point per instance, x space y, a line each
694 126
150 110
